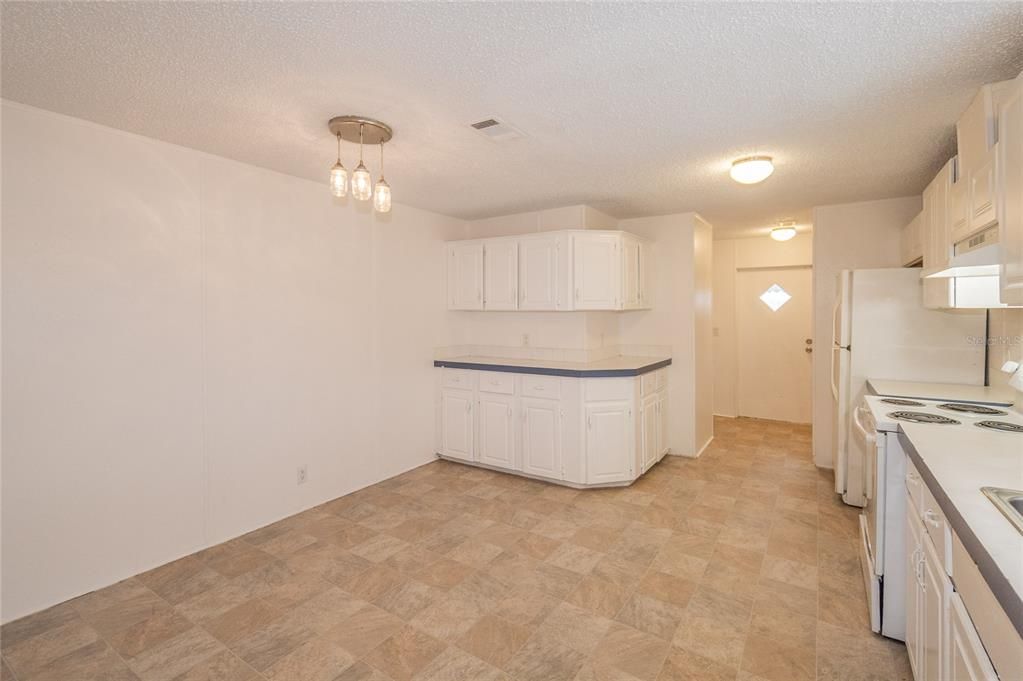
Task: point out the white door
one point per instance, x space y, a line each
456 424
648 418
501 275
662 424
497 430
968 661
631 273
914 592
539 279
1010 207
597 271
774 310
609 449
541 437
465 276
933 622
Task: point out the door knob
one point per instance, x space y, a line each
808 349
809 341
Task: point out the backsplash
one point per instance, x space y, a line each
552 354
1005 341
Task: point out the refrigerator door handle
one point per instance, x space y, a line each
835 360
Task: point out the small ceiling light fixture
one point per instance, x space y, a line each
752 169
339 174
364 131
784 231
382 192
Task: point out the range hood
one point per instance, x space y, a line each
978 256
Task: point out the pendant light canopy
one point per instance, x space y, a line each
752 169
364 131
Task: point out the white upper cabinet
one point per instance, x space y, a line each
911 244
937 251
1010 194
598 271
562 270
465 276
501 274
543 272
977 141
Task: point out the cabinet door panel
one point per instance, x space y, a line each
609 449
1010 190
663 423
630 273
968 660
539 276
935 612
914 602
651 430
465 276
501 275
496 430
541 437
982 194
597 271
457 424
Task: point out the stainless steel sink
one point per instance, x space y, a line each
1009 502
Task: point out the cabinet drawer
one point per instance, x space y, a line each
497 382
456 378
608 389
541 386
662 378
915 486
937 529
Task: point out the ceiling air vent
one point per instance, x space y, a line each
496 130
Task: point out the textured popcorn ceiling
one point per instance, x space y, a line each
636 109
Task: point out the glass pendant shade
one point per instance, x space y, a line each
783 233
382 196
362 183
338 180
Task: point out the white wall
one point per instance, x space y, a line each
1005 342
847 236
731 255
680 318
181 333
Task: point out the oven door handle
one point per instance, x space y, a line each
869 436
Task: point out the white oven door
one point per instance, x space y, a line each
870 445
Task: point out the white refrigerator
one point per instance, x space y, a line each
883 331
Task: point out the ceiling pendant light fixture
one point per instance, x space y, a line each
364 131
362 183
382 191
339 174
752 169
784 231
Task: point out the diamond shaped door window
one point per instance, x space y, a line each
774 297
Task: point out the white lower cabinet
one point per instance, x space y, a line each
541 437
580 431
941 638
457 428
497 430
967 659
609 448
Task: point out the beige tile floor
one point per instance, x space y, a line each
738 565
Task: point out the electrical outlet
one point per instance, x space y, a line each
303 474
525 340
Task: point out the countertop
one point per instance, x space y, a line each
956 392
604 368
955 462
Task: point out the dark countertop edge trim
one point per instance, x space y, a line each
548 371
1006 596
990 403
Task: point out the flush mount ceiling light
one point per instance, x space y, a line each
752 169
784 231
364 131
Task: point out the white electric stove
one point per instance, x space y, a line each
882 523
